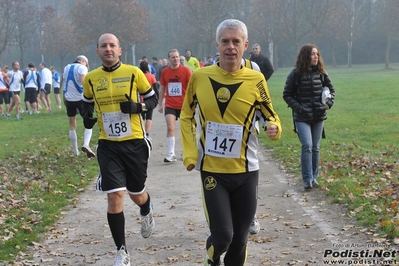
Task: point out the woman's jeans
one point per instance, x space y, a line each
310 136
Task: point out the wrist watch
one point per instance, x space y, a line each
143 107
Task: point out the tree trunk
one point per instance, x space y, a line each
387 50
333 58
61 71
21 54
271 54
134 54
275 58
350 43
352 23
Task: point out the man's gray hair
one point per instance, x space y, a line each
233 24
80 57
256 45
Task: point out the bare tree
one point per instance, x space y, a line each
354 9
59 38
8 8
329 31
25 31
163 27
266 24
189 24
346 28
318 14
124 18
295 21
389 23
201 34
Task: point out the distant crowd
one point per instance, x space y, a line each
36 85
157 65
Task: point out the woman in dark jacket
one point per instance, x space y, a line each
306 93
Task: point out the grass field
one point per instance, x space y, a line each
359 157
39 177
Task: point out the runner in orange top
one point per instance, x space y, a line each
147 115
174 82
4 95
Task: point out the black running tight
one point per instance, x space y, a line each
230 202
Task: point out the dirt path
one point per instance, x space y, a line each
297 227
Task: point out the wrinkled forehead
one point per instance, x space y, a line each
231 34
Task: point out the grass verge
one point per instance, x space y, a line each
359 157
39 177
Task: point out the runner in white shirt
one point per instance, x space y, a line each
56 86
16 81
32 84
72 83
45 86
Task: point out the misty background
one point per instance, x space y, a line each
347 32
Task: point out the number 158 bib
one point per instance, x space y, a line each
117 125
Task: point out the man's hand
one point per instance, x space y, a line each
160 107
272 131
89 121
130 107
190 167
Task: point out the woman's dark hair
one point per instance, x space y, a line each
144 67
302 64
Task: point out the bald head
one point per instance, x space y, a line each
107 36
108 49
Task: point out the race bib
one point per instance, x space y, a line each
175 89
116 125
223 140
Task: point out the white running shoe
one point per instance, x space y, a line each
88 151
255 227
147 223
170 158
122 257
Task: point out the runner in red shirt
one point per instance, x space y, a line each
174 81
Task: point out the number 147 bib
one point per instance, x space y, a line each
223 140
